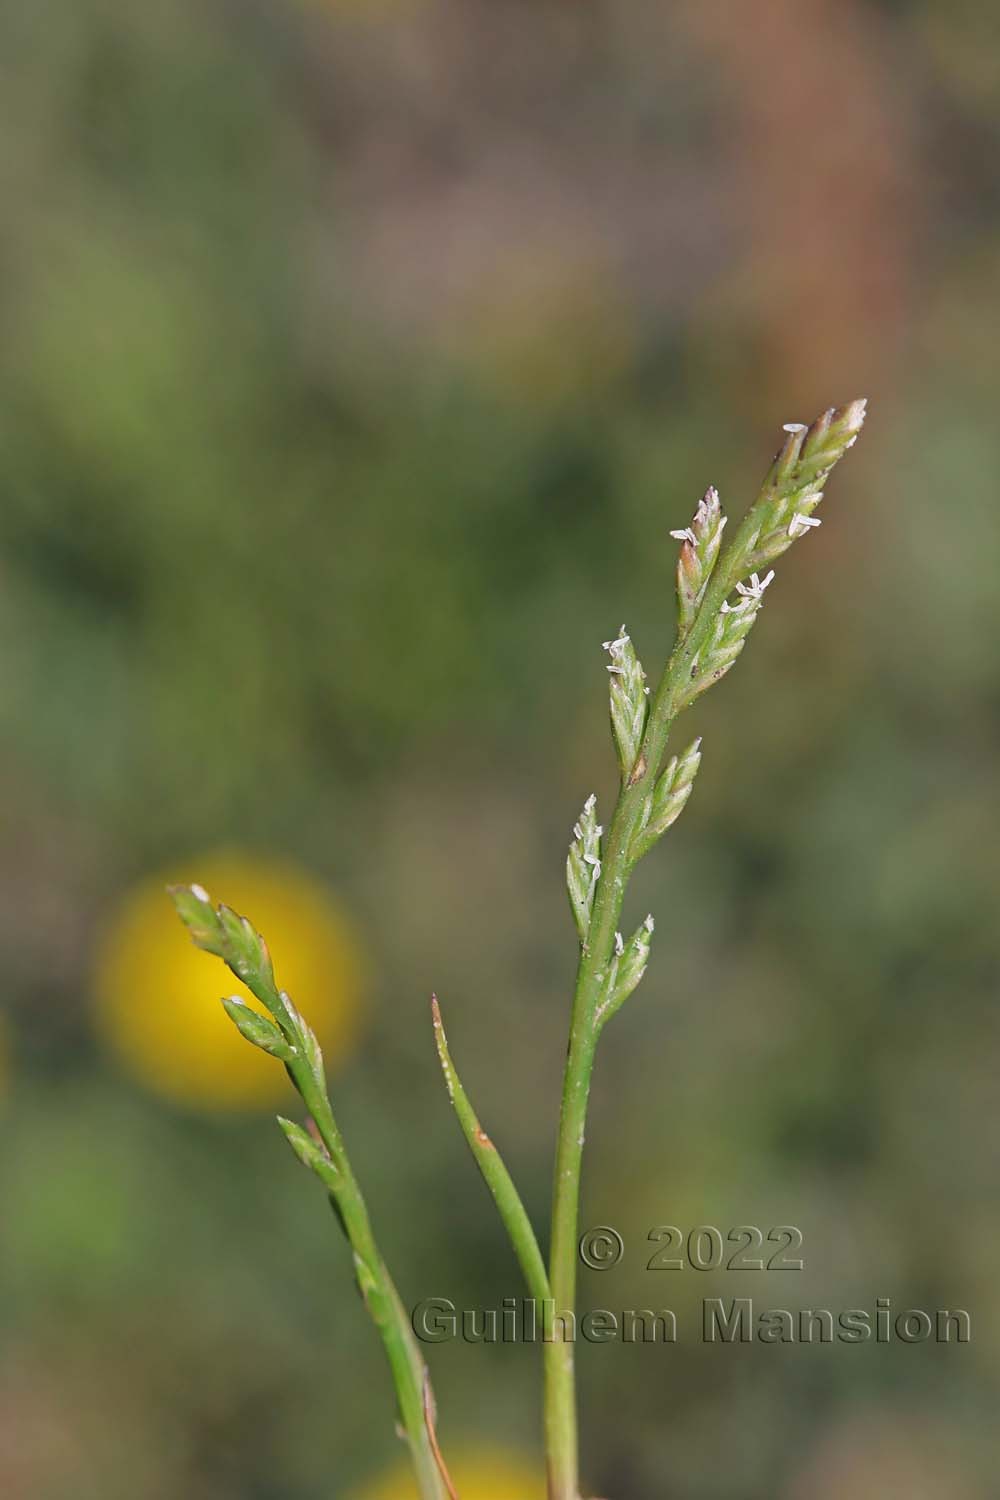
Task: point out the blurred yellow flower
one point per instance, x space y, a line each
157 996
482 1474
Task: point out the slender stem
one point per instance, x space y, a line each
409 1373
560 1395
222 931
585 1025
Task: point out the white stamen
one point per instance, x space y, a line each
199 893
755 588
685 535
649 924
619 944
799 525
794 427
616 647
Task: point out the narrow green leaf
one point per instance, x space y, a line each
495 1174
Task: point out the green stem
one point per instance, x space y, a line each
409 1373
585 1026
222 931
560 1393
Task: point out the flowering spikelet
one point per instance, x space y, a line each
257 1029
629 700
666 803
311 1154
583 866
234 939
628 965
794 485
700 544
730 629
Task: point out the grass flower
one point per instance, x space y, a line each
157 1001
719 595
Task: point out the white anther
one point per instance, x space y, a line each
755 588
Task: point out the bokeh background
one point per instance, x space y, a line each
357 358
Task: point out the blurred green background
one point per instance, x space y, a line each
356 361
